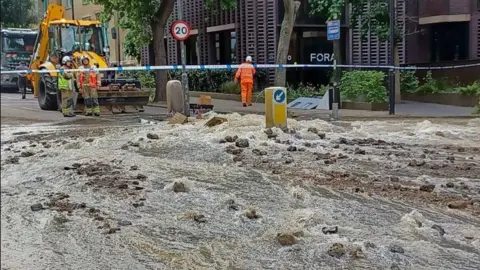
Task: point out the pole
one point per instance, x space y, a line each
335 87
392 58
119 47
186 95
337 53
73 9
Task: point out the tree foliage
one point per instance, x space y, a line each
136 16
215 5
16 13
374 19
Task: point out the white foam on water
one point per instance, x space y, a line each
162 237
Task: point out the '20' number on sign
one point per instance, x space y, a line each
181 30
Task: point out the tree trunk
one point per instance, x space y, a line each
158 30
291 12
398 94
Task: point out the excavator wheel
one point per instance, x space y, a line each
47 93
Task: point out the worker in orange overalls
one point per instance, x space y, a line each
89 81
245 74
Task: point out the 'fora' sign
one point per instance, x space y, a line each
321 57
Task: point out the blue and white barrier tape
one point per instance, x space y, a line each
259 66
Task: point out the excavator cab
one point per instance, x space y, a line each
78 39
60 37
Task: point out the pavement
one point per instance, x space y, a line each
404 110
15 111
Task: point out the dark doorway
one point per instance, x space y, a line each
223 47
449 42
310 47
191 47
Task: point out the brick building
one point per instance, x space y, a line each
451 31
226 37
436 32
450 34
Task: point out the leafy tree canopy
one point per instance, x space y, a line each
375 18
220 4
17 13
136 16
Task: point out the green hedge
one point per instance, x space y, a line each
472 90
408 81
216 80
410 84
367 84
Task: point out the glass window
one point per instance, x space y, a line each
233 47
69 39
68 3
92 39
217 48
19 43
65 39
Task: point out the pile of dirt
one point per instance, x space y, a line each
112 177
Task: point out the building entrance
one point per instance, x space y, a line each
310 47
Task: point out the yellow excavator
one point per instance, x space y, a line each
59 37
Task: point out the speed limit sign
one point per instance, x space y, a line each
180 30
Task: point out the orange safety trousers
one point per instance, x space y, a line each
247 89
245 74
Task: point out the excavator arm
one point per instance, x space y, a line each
40 56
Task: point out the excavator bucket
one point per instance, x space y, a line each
122 96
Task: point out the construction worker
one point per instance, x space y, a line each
245 74
65 85
89 82
22 79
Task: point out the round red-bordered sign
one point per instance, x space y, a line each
180 30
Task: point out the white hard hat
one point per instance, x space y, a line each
66 59
85 58
249 59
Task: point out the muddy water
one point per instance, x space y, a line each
166 232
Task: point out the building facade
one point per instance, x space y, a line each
86 10
225 37
450 31
434 32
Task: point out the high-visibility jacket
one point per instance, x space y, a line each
245 73
92 77
65 81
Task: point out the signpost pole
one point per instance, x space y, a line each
392 58
186 94
333 33
335 88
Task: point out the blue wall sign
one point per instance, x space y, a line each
333 30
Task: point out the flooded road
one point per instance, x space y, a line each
349 195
